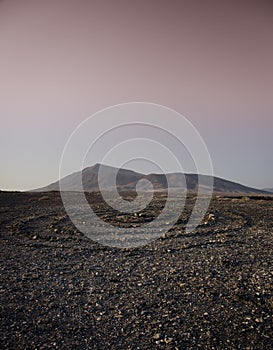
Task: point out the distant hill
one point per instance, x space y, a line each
268 190
127 179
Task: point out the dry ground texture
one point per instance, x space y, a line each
210 289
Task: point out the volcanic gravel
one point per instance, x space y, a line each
208 289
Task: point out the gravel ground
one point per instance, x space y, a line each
209 289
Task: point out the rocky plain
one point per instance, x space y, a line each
207 289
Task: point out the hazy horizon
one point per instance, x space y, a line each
132 168
64 60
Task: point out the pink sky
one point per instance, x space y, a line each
63 60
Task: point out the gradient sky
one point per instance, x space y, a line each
63 60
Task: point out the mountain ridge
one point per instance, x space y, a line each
126 180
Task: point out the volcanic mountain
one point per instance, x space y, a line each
126 180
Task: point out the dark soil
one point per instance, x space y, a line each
209 289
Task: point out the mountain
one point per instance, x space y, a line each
126 180
268 190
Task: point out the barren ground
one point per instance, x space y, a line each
210 289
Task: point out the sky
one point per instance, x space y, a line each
63 60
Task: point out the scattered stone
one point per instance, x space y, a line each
210 288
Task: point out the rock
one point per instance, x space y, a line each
156 336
